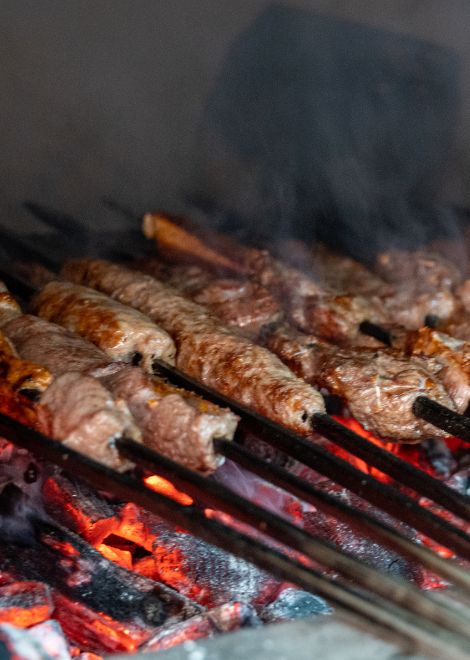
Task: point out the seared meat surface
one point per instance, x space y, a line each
58 349
175 423
80 412
379 387
158 409
380 390
123 333
238 303
427 271
450 358
206 349
309 303
374 399
21 375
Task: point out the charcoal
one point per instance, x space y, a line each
294 604
225 618
25 604
77 573
80 508
204 573
42 642
439 457
353 541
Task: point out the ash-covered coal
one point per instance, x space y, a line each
21 504
294 604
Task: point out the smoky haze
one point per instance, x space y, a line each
112 98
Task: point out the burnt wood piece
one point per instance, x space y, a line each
25 603
75 569
72 503
226 618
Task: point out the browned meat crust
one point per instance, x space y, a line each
207 350
80 412
9 308
238 303
167 417
123 333
427 271
336 317
176 423
21 375
302 353
50 344
378 387
380 390
451 358
310 358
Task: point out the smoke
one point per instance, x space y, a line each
329 129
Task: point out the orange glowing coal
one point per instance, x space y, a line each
165 487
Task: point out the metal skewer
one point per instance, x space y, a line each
432 623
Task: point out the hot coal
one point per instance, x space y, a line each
44 641
206 574
25 604
225 618
78 573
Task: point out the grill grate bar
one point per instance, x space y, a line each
433 625
321 460
335 507
387 498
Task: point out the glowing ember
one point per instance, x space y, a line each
165 487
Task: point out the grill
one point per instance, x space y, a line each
434 626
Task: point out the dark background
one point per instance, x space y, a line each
105 98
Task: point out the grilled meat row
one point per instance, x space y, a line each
379 387
93 400
329 309
206 349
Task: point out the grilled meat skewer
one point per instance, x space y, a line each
206 349
123 333
309 305
178 424
379 388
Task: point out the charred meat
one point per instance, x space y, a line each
206 349
123 333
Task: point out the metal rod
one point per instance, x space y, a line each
376 331
218 496
416 627
321 460
366 524
64 223
393 466
440 416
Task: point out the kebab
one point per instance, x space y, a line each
121 332
378 387
309 305
102 398
206 349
